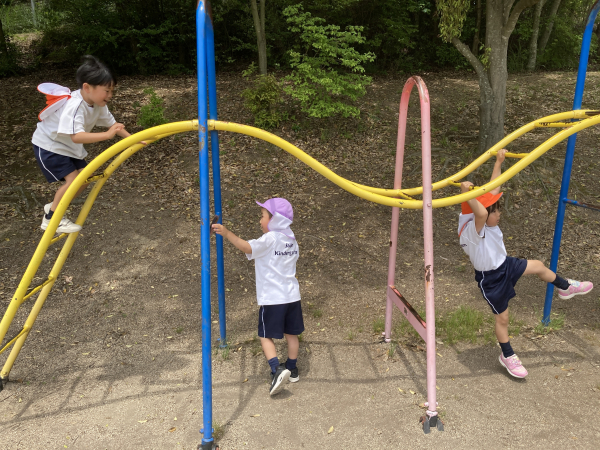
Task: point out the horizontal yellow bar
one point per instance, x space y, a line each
512 155
94 178
13 340
58 238
34 290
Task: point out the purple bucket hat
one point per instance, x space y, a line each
278 205
282 215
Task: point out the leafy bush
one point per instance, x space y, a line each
327 70
264 100
152 114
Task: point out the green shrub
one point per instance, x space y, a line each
327 71
264 101
153 113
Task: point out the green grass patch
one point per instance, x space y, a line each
557 321
463 324
219 430
392 349
317 313
378 325
225 354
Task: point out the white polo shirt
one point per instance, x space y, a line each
275 256
485 249
76 116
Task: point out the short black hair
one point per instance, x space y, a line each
94 72
496 206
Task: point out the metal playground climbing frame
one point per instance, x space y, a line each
569 124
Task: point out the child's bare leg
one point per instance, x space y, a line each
293 345
268 347
502 327
538 268
61 190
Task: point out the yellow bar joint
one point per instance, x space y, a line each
49 280
13 340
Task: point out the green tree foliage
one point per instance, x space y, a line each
133 36
327 71
158 36
562 49
264 100
453 14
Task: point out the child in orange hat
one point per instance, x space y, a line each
495 272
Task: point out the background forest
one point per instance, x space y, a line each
157 36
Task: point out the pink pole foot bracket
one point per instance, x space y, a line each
431 419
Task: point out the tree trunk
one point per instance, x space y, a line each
549 25
33 14
493 99
533 41
598 36
3 46
475 47
261 39
500 23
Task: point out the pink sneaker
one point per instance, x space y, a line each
513 365
575 288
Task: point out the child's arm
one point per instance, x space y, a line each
124 133
497 169
238 242
479 210
90 138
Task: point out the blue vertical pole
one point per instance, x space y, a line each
216 167
206 431
566 177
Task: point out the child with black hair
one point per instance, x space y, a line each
495 272
66 124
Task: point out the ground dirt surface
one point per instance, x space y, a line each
114 361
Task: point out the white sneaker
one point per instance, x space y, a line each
65 225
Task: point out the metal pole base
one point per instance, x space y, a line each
3 381
208 446
431 421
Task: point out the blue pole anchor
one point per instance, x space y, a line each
207 444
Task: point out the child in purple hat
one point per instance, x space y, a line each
275 254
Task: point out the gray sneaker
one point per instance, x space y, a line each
65 225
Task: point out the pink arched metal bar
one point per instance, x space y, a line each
425 328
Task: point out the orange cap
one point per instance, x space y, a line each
486 200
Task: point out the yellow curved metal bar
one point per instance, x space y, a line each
124 149
308 160
389 197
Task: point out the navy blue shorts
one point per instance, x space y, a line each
275 320
498 285
56 167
